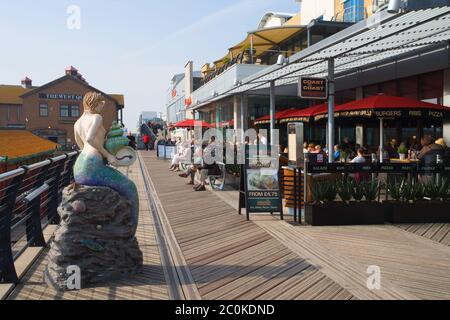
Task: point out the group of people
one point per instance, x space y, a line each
341 152
196 169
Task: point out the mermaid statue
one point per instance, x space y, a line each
94 166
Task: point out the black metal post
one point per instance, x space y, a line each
8 272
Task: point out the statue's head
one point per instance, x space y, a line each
93 102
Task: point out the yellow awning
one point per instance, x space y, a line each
265 39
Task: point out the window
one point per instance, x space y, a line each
74 111
64 111
43 110
354 10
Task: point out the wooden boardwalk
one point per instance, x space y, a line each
196 246
151 284
228 257
439 232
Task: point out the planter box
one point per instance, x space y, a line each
341 214
418 212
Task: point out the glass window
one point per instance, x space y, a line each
43 110
74 111
64 111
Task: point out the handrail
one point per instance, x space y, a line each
29 198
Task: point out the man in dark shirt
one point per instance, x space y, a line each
430 151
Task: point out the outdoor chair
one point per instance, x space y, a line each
221 178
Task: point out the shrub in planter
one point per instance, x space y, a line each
419 202
327 212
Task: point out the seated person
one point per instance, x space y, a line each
360 157
337 153
183 156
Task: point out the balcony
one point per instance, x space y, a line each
225 81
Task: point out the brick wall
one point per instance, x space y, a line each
53 121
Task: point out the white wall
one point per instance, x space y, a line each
312 9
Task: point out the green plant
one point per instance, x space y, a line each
396 190
371 190
402 149
344 156
445 189
345 190
432 190
324 191
358 191
331 191
411 191
317 191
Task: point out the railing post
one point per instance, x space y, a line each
52 215
8 272
295 194
35 236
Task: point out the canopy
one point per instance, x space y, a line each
190 123
304 115
278 116
262 40
384 106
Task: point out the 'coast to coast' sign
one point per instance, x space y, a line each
313 88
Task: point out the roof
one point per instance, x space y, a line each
18 144
382 37
11 94
119 98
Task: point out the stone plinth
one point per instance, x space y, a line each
95 235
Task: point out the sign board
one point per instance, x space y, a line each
170 152
161 151
58 96
313 88
262 185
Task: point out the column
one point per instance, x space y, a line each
446 102
272 112
331 130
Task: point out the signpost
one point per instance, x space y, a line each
260 184
313 88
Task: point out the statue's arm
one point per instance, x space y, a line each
92 140
79 141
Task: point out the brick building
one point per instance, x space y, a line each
50 111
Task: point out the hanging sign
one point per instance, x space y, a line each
313 88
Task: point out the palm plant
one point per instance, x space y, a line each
345 190
358 191
371 190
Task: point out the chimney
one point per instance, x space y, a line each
27 82
72 71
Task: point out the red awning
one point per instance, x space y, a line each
383 106
190 123
278 116
304 115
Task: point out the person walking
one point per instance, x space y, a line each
146 140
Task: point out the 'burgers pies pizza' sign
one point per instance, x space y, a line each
313 88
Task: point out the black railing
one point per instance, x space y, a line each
29 199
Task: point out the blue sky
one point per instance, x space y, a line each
130 47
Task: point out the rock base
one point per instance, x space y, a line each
96 237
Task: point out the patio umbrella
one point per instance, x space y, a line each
190 123
383 106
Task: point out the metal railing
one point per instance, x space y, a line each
29 200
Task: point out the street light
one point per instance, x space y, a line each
394 6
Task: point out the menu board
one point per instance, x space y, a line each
262 183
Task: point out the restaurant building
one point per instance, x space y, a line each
51 110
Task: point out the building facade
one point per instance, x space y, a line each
50 111
176 102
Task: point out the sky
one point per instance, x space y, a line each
131 47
